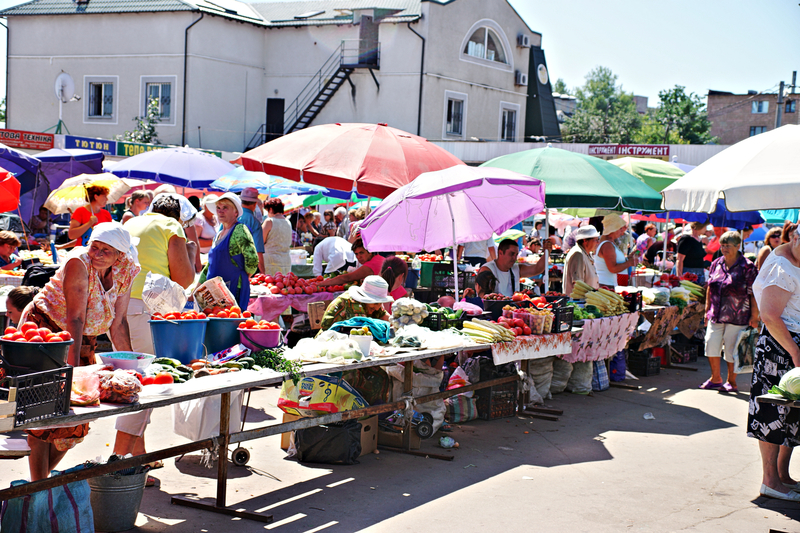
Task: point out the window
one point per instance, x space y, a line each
755 130
791 106
160 87
101 100
761 106
455 110
160 92
509 117
485 44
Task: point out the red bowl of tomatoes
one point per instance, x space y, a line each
35 348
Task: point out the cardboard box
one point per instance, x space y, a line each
369 433
315 312
395 440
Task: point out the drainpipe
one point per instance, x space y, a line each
185 63
421 74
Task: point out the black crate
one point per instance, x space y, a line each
39 396
562 321
496 402
442 278
557 301
643 364
634 301
437 322
684 353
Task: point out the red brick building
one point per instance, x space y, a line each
735 117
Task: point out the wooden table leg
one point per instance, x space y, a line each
408 390
222 459
521 396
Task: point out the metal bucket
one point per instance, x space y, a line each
115 501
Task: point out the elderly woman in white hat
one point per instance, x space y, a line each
610 260
579 265
93 302
366 300
233 255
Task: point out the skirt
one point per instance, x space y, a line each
771 423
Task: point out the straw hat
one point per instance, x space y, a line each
612 223
231 197
586 232
374 290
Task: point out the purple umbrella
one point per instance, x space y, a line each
481 200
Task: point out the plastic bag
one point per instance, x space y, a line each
319 395
580 381
459 379
600 377
371 382
329 444
745 350
119 386
85 387
470 309
541 372
198 419
162 295
562 370
214 293
426 380
461 408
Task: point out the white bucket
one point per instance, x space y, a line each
364 342
298 257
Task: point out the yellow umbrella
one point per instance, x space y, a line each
72 193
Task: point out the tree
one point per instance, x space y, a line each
605 113
145 131
684 114
560 87
3 110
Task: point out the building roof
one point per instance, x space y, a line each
232 9
322 12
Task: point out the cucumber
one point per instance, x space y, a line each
257 368
174 363
231 364
184 368
247 362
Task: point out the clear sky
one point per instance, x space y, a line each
727 45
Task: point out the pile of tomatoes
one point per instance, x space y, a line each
430 257
187 315
31 332
228 312
291 284
517 326
251 323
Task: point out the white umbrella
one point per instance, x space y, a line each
760 172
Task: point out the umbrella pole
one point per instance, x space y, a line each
546 277
455 245
666 236
23 226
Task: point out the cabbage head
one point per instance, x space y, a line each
789 386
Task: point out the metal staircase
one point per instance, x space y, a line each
349 56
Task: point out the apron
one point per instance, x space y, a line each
220 263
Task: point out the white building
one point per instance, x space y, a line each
446 69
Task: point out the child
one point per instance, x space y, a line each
484 284
18 299
8 245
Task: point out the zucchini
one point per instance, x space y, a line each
184 368
174 363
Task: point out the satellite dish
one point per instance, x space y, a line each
65 87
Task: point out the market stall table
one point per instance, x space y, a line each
601 338
271 306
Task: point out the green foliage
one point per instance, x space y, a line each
652 131
3 110
685 115
145 131
560 87
605 113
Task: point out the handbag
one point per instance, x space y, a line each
64 509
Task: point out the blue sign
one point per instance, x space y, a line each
87 143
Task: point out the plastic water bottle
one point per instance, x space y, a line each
53 252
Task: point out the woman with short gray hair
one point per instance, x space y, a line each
730 307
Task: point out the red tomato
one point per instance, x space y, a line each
275 290
234 314
8 336
27 326
517 331
222 314
268 279
236 309
18 337
156 317
247 314
207 310
284 291
162 378
36 338
526 330
65 335
280 285
518 323
201 315
30 333
148 380
10 329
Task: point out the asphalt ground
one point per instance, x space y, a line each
602 467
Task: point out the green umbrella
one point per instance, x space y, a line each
512 234
578 180
321 198
655 173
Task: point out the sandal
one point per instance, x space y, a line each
710 385
155 465
729 388
790 496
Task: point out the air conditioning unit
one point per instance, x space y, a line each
523 41
520 78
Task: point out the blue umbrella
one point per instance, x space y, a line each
758 234
720 218
184 167
240 179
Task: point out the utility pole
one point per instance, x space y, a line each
780 103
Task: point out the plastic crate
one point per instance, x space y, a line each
39 396
442 277
643 364
562 321
437 322
634 301
684 353
496 402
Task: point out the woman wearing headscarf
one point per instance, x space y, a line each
233 256
94 301
610 260
579 264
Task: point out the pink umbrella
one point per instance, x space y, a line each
471 202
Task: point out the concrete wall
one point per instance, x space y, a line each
732 115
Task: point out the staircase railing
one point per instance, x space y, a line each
295 110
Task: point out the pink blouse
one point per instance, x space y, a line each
100 305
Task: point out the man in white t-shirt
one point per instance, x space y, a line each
508 271
478 252
336 251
